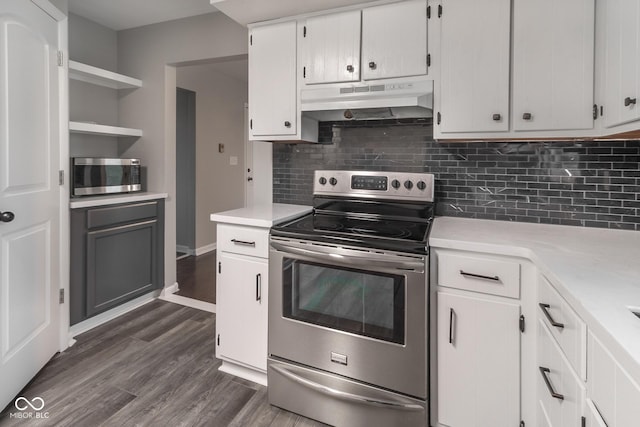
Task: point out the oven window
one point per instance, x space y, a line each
357 301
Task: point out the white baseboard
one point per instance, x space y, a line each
170 289
185 250
189 302
102 318
244 372
205 249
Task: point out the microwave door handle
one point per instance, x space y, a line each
351 259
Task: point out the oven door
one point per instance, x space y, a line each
353 312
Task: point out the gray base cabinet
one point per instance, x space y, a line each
116 255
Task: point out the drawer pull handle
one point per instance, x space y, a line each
451 314
480 276
544 372
545 309
259 287
243 242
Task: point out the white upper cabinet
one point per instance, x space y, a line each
620 58
331 47
272 81
474 93
394 40
553 64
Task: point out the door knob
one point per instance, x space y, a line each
6 216
628 101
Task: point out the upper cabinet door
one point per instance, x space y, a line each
331 47
620 22
272 80
553 64
394 40
475 65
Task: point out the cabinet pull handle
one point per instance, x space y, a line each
259 287
373 65
451 314
545 309
544 372
628 101
287 124
496 117
526 116
350 68
243 242
480 276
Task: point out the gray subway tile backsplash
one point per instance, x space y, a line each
580 183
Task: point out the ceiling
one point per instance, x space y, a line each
124 14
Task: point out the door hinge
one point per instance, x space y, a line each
428 60
60 58
601 110
304 72
428 12
583 422
522 323
439 119
439 11
595 111
251 40
61 296
61 177
218 339
251 124
304 31
219 267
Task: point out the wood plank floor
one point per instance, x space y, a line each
197 277
154 366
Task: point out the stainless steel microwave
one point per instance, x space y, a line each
105 176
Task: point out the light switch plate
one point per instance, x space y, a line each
233 160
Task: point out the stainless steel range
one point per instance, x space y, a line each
348 302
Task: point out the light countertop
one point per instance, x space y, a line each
262 215
596 270
107 199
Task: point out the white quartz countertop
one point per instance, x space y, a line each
596 270
261 215
104 200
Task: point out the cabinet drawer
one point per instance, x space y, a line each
560 393
243 240
479 273
121 214
565 325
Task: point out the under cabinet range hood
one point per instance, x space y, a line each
369 101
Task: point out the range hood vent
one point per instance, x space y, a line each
393 100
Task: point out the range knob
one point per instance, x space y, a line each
408 185
333 181
395 184
322 180
421 185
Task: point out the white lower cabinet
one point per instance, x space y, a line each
478 361
592 417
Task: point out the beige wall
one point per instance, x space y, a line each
220 100
149 54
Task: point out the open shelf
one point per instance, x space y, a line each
96 129
100 77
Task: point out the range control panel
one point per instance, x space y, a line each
382 185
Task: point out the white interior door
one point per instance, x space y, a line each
29 150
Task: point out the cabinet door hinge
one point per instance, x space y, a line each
428 12
304 31
218 339
428 60
61 177
439 118
251 40
522 323
251 124
60 58
219 267
583 422
304 72
595 111
439 11
61 296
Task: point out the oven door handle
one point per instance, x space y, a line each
343 395
341 256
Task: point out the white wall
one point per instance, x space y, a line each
149 54
220 100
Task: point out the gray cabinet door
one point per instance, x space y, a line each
121 264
